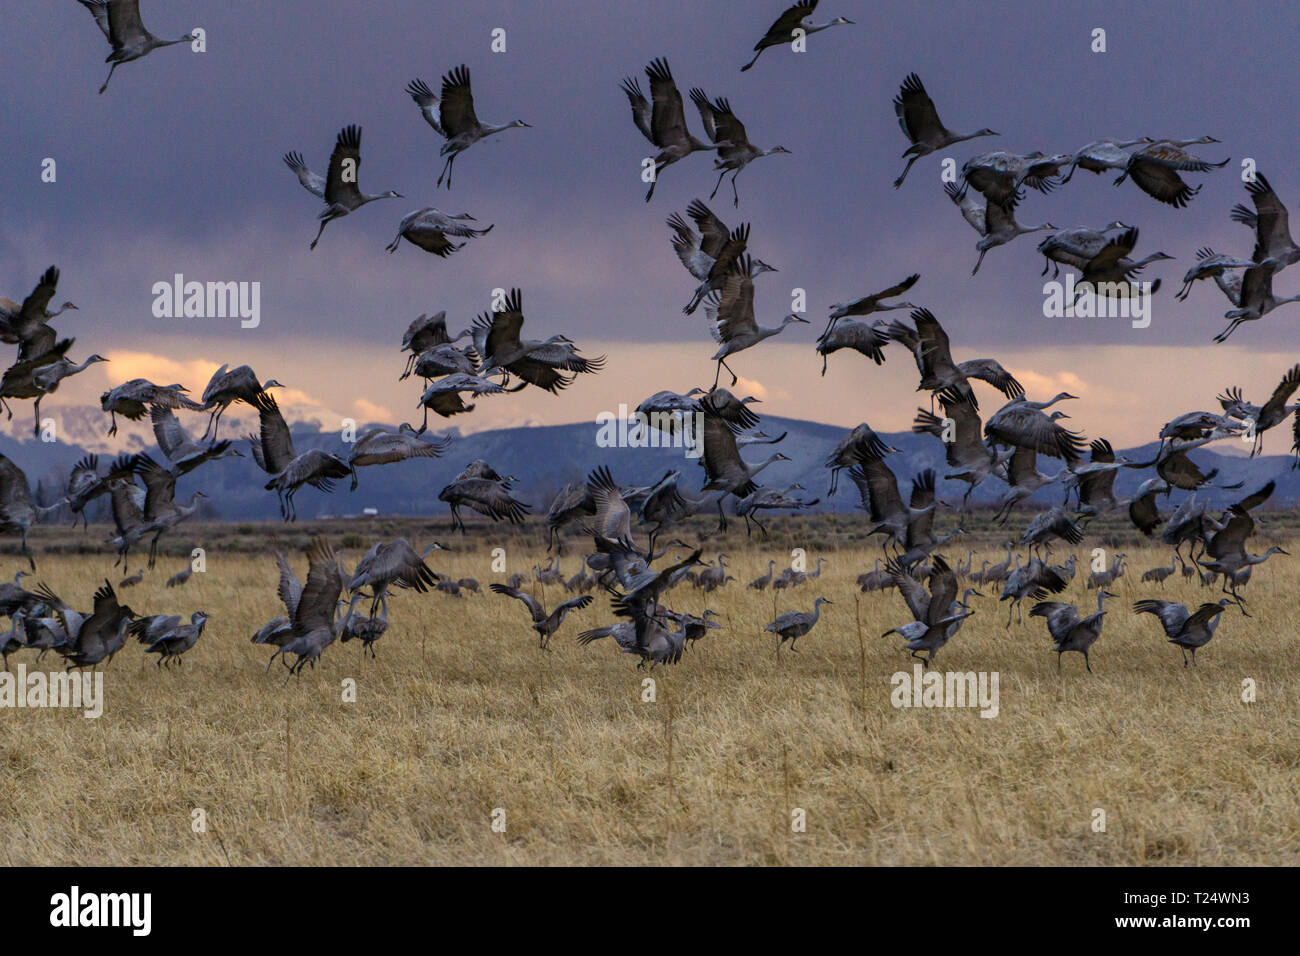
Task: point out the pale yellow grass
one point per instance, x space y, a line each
462 714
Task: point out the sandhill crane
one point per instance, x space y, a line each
693 628
16 639
273 450
996 224
1273 412
86 483
611 529
544 624
870 304
1191 426
452 117
1142 508
923 636
878 490
1104 154
1215 265
920 123
17 510
131 580
429 228
313 608
876 579
999 572
760 583
714 575
1112 268
487 497
1175 467
727 132
666 505
623 633
183 454
133 399
963 447
1094 483
772 499
1070 632
664 123
725 470
426 332
862 439
445 360
229 385
570 504
125 31
793 24
998 175
47 377
444 396
1024 479
731 312
1033 580
128 502
36 378
1188 524
931 349
339 189
1159 574
1271 223
1049 524
1075 247
1188 630
1227 549
13 596
383 445
920 541
670 412
478 468
1067 569
1022 424
868 340
735 411
277 631
367 630
1101 579
699 252
159 513
394 563
793 625
181 577
1255 299
724 263
653 633
543 364
25 324
937 613
97 637
167 637
1154 168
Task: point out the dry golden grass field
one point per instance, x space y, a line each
461 714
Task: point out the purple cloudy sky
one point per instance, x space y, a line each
177 169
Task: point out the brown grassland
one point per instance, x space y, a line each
461 713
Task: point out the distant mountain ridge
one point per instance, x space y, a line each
546 457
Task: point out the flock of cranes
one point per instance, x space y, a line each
495 358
